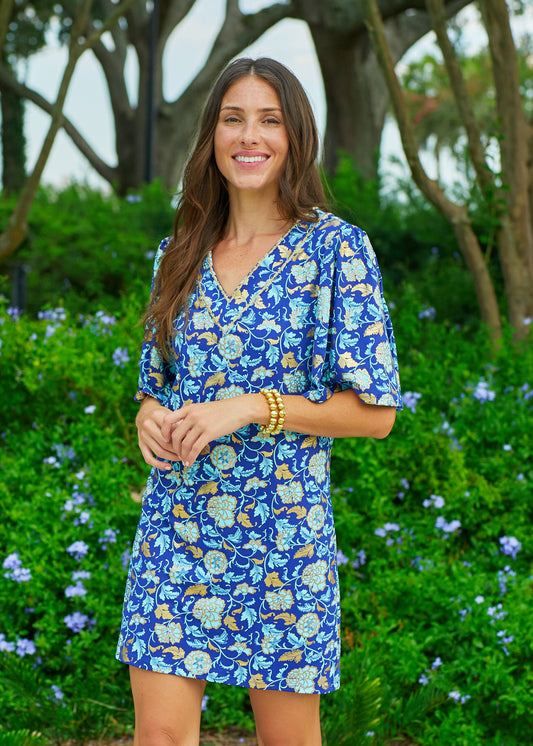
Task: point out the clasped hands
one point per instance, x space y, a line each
182 434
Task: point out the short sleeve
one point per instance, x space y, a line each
354 344
156 375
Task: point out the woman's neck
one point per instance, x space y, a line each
252 215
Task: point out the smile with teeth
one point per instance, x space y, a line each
250 158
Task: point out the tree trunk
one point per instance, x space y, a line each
356 94
13 141
357 100
456 214
515 235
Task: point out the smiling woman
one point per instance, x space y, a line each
267 336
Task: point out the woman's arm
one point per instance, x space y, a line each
189 429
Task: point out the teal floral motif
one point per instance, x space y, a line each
215 562
209 611
221 508
302 680
230 346
233 574
223 457
170 632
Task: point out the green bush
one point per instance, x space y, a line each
84 247
430 607
421 593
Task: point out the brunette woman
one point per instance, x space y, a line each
267 336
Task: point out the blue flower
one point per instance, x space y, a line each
58 694
20 575
6 647
78 550
12 562
427 313
510 545
435 501
436 663
90 409
25 647
410 399
121 357
342 559
77 621
423 680
109 537
72 591
482 392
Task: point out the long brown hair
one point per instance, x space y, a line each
203 207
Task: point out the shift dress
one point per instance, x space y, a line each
233 575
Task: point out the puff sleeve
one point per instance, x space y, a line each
156 375
354 344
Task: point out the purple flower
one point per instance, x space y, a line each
78 550
510 545
76 621
448 528
20 575
410 399
121 357
342 559
205 700
479 599
508 447
125 558
14 312
133 198
12 561
427 313
482 392
25 647
109 537
72 591
58 694
435 501
360 559
423 680
436 663
404 483
81 575
90 409
6 647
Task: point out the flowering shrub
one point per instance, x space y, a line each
433 526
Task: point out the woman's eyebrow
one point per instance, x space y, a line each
239 108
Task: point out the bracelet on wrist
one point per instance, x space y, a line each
277 412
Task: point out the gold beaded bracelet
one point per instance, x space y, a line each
277 412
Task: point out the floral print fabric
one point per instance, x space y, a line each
233 572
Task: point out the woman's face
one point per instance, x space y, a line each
251 143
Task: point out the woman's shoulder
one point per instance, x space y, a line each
337 233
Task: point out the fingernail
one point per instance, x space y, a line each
186 463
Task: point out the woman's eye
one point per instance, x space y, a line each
231 120
272 120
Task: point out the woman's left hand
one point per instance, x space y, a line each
193 426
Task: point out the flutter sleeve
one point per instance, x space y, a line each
354 344
155 373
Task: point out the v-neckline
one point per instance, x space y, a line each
246 278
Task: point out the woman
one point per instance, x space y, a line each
267 337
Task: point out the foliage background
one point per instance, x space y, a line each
433 523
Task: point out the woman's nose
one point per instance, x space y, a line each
249 134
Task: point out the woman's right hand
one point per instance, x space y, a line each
153 445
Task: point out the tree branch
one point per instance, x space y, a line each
13 235
460 92
5 14
456 214
6 79
238 31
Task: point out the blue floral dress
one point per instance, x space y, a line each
233 574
